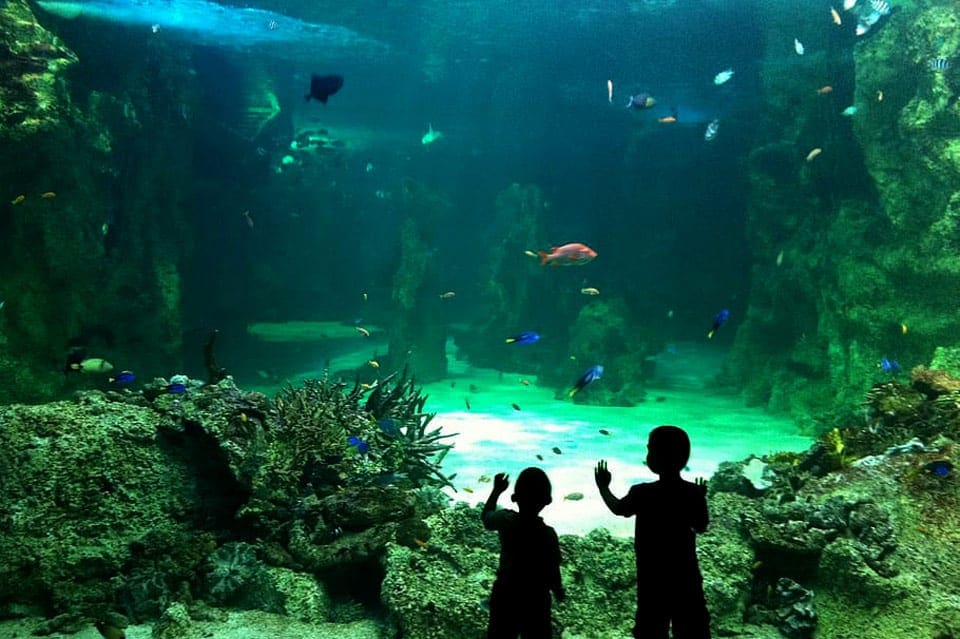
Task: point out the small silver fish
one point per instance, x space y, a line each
2 303
711 131
940 64
880 6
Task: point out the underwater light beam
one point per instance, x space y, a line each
209 23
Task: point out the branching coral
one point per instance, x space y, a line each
318 421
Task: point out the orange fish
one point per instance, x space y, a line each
17 200
420 543
813 154
825 89
836 17
573 254
48 195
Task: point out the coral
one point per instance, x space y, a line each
795 614
233 573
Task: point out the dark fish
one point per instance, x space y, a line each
641 101
323 86
177 389
589 376
473 388
123 378
109 631
515 406
573 496
389 427
939 467
358 443
718 321
453 384
539 457
603 431
661 398
466 400
526 337
940 64
556 451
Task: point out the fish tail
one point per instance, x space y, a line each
543 257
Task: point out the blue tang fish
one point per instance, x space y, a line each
177 389
589 376
889 365
718 321
526 337
358 443
123 378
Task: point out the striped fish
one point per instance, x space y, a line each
880 6
940 64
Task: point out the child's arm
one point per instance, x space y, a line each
603 477
556 583
700 515
500 483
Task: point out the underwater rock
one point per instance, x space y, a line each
32 61
795 614
120 493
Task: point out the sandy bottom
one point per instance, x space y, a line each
494 437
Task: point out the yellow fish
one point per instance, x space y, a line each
530 253
879 95
373 363
48 195
467 489
903 329
836 17
17 200
813 154
589 290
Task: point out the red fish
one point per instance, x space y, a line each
573 254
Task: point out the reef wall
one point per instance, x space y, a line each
94 211
854 248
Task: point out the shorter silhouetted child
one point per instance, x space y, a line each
670 512
529 559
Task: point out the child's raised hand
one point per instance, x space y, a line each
602 475
701 484
501 481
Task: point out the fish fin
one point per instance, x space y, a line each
543 257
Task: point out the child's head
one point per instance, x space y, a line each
668 450
532 489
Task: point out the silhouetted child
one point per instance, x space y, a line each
529 559
670 512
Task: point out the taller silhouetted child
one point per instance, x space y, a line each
670 513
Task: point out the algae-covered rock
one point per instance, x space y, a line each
121 491
32 61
